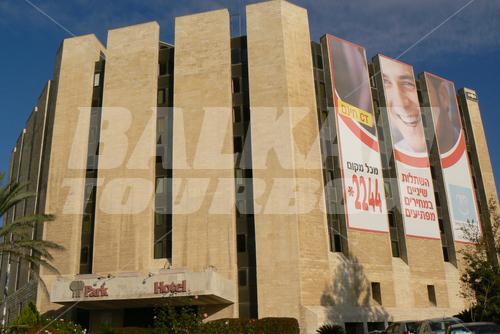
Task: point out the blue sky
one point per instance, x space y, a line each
463 42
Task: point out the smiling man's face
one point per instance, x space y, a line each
402 104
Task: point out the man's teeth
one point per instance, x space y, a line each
409 120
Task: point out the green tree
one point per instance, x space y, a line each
16 236
183 320
481 276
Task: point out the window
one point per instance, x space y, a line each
241 243
324 116
446 256
395 249
319 62
235 56
433 172
162 236
237 115
334 234
242 277
84 255
162 96
240 206
236 85
387 189
322 91
160 186
337 243
394 235
161 130
392 221
376 293
376 326
441 226
163 68
431 293
97 79
238 144
239 177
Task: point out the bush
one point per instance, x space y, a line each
30 321
177 321
28 318
278 325
261 326
331 329
230 326
131 330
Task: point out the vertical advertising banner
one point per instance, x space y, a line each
452 151
410 149
359 150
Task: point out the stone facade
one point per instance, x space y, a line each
297 274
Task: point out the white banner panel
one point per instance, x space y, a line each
359 150
452 150
416 190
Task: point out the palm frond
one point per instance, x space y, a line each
16 237
24 223
12 194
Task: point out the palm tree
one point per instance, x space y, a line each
16 236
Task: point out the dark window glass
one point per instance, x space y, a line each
163 236
319 61
161 130
436 196
433 172
322 91
238 144
392 220
161 96
246 114
237 114
441 226
235 56
84 255
236 85
431 293
337 242
376 292
395 248
242 277
163 68
446 256
241 243
376 326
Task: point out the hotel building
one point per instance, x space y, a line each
209 173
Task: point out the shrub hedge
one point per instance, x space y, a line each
261 326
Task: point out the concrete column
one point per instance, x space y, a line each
124 223
290 223
73 85
204 232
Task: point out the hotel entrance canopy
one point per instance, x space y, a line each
132 290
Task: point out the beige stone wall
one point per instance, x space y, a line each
292 247
479 138
204 232
66 174
124 223
427 268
